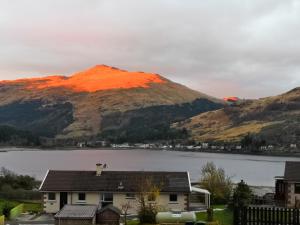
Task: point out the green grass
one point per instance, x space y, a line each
133 222
35 207
225 217
4 202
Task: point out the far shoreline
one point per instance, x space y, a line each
74 148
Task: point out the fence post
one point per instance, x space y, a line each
236 216
244 215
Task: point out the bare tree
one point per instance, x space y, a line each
148 192
125 208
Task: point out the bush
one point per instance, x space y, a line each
147 215
6 207
217 183
242 195
15 181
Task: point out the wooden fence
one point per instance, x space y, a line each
266 216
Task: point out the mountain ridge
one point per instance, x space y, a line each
275 119
83 105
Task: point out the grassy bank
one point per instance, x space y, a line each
29 206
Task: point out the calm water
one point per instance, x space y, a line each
255 170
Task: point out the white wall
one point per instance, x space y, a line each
94 198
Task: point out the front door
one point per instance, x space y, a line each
63 199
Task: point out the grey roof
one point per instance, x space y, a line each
292 171
113 181
77 212
112 208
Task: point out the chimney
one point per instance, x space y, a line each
99 168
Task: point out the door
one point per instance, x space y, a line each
63 199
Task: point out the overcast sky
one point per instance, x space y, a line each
244 48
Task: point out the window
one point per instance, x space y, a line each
51 196
173 198
107 199
130 195
151 197
297 188
81 196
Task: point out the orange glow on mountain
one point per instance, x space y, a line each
231 99
98 78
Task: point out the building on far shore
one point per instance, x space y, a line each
102 188
287 187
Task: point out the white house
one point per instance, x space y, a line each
103 188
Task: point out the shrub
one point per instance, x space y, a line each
147 215
242 195
6 207
217 183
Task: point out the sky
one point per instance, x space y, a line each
248 48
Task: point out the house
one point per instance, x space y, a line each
102 187
287 187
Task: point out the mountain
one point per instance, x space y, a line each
273 119
101 101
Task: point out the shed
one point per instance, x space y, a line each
76 215
109 215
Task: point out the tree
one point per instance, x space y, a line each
148 192
125 207
253 142
215 180
242 195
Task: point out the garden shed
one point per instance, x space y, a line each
109 215
76 215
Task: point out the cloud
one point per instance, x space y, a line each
244 48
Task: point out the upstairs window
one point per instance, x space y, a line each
81 196
51 196
173 198
297 188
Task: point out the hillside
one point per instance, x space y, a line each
99 101
275 119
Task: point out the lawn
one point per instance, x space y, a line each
225 217
133 222
35 207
